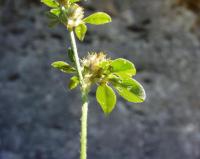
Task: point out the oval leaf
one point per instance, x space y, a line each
55 12
106 98
74 82
130 89
63 66
98 18
80 31
123 68
50 3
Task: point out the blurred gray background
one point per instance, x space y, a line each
39 117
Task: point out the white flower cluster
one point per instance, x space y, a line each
75 16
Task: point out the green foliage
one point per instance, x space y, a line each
74 1
98 18
63 66
50 15
50 3
106 98
130 90
74 82
123 68
118 73
71 15
80 31
55 11
103 72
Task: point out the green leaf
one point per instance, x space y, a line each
98 18
63 66
106 98
50 3
105 64
123 68
71 55
55 11
130 89
74 82
74 1
80 31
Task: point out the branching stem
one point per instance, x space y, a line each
84 93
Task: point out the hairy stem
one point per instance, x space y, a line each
83 139
84 93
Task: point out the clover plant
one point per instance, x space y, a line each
94 68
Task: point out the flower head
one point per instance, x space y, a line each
75 15
93 70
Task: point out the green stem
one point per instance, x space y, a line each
84 93
74 48
83 139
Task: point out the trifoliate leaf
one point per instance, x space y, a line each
80 31
123 68
74 82
130 89
98 18
106 98
74 1
50 3
63 66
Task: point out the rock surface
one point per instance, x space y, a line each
39 117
